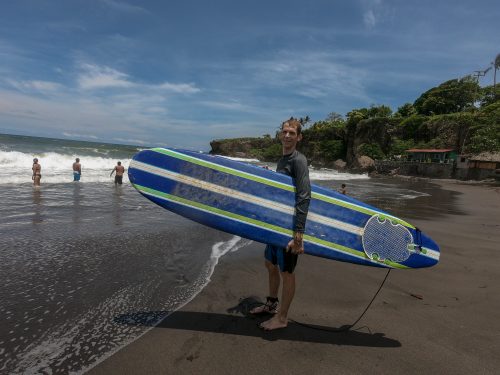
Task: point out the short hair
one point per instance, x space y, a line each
293 122
119 163
35 160
77 159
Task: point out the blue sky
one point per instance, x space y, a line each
182 73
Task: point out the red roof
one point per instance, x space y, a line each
429 150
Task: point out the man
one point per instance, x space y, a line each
37 172
343 189
120 170
281 262
77 170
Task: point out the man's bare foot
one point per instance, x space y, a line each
275 322
270 307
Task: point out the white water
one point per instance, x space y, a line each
320 174
15 167
218 250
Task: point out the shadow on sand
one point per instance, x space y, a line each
248 325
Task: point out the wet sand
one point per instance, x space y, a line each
442 320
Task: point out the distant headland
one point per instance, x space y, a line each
457 115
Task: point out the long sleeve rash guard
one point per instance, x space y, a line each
295 166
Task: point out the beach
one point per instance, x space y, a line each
441 320
95 278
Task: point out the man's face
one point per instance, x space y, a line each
289 137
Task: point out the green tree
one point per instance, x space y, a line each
406 110
452 96
373 150
489 95
399 146
272 153
410 127
379 111
332 149
334 117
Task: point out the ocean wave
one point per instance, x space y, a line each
315 174
330 174
176 302
15 167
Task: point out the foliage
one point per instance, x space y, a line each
380 111
399 146
456 114
489 95
410 127
359 114
486 131
452 96
406 110
486 138
332 149
272 153
373 150
334 117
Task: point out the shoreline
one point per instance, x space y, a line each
437 320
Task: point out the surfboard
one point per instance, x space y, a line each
252 202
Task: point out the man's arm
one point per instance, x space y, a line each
302 200
113 171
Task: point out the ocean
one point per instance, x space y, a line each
77 257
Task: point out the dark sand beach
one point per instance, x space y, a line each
442 320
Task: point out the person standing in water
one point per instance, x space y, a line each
120 170
281 262
37 172
343 189
77 170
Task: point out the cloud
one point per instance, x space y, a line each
374 12
315 75
76 135
39 86
182 88
130 141
124 7
369 19
227 105
97 77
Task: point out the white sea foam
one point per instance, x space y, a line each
94 333
331 174
318 174
15 167
245 160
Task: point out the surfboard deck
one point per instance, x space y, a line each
258 204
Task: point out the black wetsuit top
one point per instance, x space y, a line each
295 166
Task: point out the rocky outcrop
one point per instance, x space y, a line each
241 147
365 163
373 132
339 164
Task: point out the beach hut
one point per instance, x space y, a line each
479 167
447 155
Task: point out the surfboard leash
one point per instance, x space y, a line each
346 328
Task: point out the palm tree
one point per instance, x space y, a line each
496 65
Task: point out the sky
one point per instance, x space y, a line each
183 73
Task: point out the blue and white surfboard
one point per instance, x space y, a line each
258 204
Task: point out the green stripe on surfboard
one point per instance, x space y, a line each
248 176
259 223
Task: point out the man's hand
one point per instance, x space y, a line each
296 245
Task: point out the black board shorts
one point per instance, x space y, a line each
118 179
286 260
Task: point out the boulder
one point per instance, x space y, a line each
365 163
339 164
